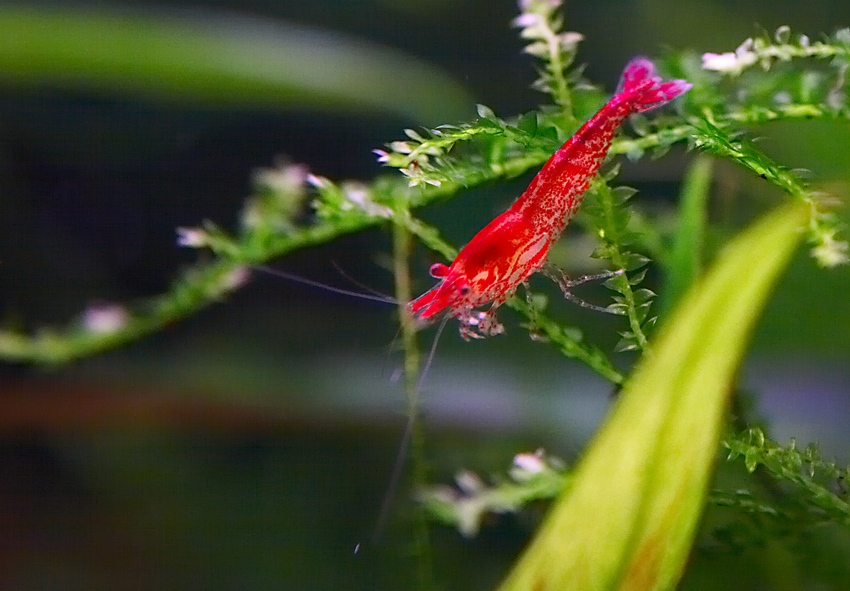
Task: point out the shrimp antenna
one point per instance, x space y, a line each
375 297
360 284
404 445
426 367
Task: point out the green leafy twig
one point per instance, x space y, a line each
267 230
764 51
107 326
532 477
542 24
823 486
493 148
609 220
823 227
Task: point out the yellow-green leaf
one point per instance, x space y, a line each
628 521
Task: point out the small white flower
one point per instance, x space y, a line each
469 482
831 252
527 19
401 147
743 57
383 157
238 277
570 39
530 463
192 237
105 318
720 62
284 178
783 97
319 182
358 193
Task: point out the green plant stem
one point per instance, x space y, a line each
402 244
562 92
193 290
616 255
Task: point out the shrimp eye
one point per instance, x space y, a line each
464 291
438 270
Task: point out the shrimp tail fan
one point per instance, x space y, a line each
641 79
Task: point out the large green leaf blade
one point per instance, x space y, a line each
685 259
629 519
219 58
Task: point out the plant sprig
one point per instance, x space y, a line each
821 485
713 137
763 51
609 220
542 24
819 493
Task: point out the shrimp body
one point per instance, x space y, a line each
508 250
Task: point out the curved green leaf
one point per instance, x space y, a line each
219 58
629 519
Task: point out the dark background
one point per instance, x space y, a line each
249 447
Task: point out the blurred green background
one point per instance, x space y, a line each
250 446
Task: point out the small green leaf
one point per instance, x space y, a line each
629 519
485 112
751 460
549 133
528 123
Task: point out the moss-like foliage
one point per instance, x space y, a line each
787 77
